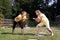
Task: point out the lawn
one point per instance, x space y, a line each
5 34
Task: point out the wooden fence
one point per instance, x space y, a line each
9 22
6 22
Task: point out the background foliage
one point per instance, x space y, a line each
30 6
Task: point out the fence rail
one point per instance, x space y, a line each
6 22
9 22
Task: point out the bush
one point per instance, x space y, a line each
32 23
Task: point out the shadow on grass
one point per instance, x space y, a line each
24 34
18 33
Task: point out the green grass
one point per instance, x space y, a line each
29 34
